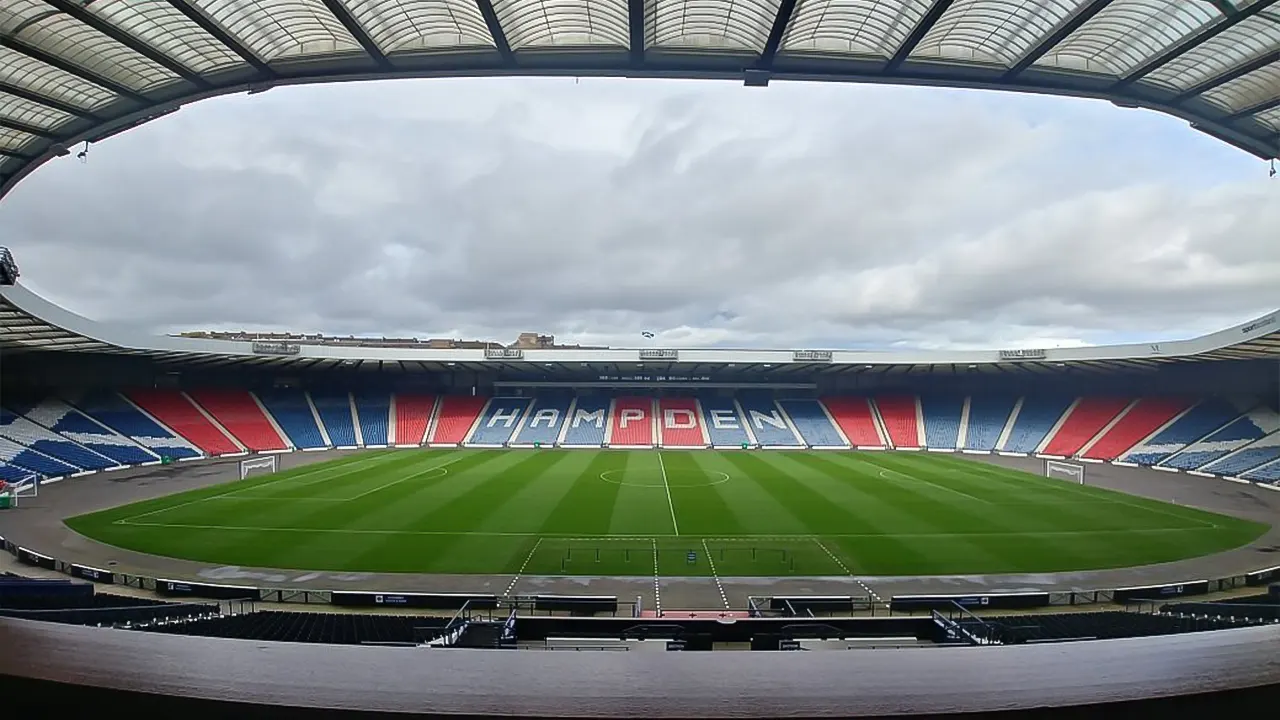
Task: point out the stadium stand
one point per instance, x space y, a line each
988 415
307 627
631 422
901 419
1101 625
723 423
499 420
374 411
1197 423
173 409
1143 419
239 413
587 422
113 411
1249 457
20 430
454 418
1035 420
680 423
64 601
813 423
74 425
413 417
543 423
855 418
766 422
26 461
335 413
1268 473
293 414
1254 425
1085 420
942 415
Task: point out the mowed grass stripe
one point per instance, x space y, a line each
389 511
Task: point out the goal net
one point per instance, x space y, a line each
1070 472
264 465
11 493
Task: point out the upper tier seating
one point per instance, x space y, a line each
811 421
1254 455
374 410
173 409
1255 425
900 419
293 414
1087 419
1200 421
942 415
74 425
723 423
112 410
544 421
631 423
766 421
988 414
499 421
1036 418
239 413
587 421
1142 419
1268 473
680 423
24 432
413 416
455 417
17 457
335 413
854 416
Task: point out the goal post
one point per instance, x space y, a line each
264 465
11 492
1071 472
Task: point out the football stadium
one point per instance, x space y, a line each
297 514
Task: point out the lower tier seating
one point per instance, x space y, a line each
454 418
413 415
374 411
239 413
307 627
632 422
292 412
174 410
901 420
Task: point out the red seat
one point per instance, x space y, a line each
456 416
853 415
1149 415
413 415
680 423
174 410
632 421
1083 423
901 419
240 414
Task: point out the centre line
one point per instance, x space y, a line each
667 485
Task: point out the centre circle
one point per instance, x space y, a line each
655 479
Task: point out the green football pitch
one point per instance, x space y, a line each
670 513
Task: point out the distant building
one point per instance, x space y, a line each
525 341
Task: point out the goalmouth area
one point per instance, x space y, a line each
714 514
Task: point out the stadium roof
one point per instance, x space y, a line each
29 323
80 70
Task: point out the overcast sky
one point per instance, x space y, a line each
709 213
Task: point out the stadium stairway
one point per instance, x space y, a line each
177 412
988 416
942 415
115 412
588 420
335 412
374 412
901 419
413 417
1254 455
454 418
631 422
854 417
74 425
1199 422
680 423
292 413
811 421
766 421
20 462
20 430
723 423
1254 425
1036 419
1087 417
1139 423
499 421
544 421
238 411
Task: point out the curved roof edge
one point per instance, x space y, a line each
29 322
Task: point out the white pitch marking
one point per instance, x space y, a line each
712 564
847 571
657 590
885 472
667 485
523 565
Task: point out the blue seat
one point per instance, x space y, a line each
499 421
988 414
374 411
812 422
942 414
725 427
292 413
588 421
335 413
115 412
544 422
1035 420
766 421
